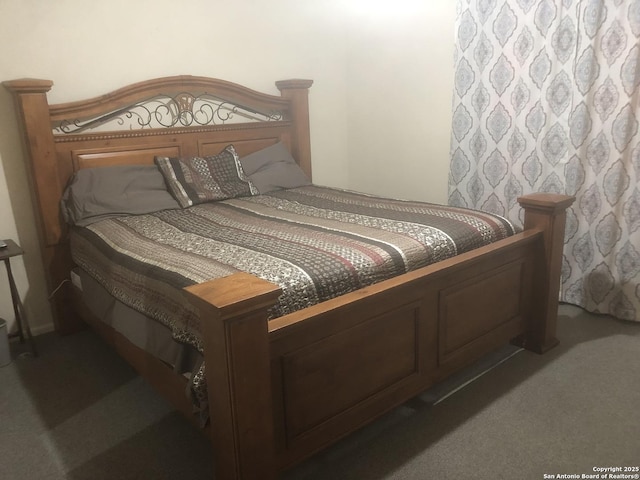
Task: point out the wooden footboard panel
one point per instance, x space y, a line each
483 311
327 383
376 348
323 379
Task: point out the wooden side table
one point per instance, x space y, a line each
13 250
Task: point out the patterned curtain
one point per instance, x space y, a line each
546 99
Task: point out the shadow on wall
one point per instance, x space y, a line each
20 202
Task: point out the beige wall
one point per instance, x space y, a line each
89 48
400 78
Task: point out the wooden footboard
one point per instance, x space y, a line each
298 383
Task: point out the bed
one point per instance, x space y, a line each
286 385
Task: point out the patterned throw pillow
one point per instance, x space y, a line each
197 180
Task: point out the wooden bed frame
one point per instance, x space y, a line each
290 387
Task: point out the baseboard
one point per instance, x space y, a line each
41 329
35 331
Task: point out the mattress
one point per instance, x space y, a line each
316 243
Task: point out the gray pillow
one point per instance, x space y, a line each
273 168
97 193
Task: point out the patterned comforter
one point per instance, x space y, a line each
316 243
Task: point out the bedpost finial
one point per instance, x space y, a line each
546 201
294 83
28 85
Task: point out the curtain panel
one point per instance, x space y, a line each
546 99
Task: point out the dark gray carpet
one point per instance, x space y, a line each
79 412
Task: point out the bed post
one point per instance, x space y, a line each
547 212
31 96
297 91
32 107
233 312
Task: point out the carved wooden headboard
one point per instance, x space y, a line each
172 116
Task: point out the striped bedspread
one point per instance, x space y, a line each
316 243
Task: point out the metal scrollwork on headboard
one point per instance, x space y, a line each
181 110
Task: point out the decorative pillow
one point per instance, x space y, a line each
97 193
273 168
196 180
